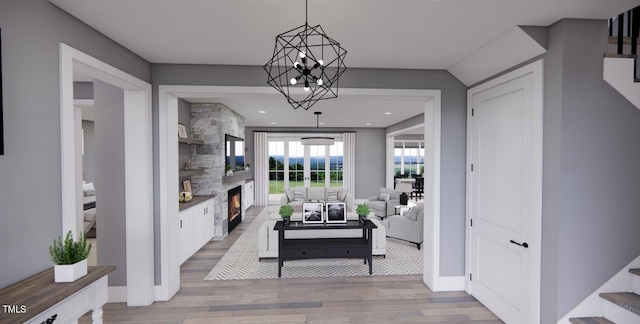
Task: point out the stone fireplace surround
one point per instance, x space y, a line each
210 122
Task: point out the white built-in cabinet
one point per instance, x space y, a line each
248 195
196 228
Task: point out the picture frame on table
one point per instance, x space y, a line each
182 131
336 212
312 213
186 184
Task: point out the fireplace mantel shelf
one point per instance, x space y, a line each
238 176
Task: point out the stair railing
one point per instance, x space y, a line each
626 26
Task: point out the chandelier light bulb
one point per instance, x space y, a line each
321 62
307 89
296 64
319 82
294 81
302 55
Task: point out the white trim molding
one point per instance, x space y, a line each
432 140
138 166
168 108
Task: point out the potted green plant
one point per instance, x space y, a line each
70 257
228 170
246 166
363 211
285 212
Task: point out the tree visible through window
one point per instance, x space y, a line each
276 167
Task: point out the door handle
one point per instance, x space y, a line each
524 245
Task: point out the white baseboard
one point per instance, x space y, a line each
454 283
117 294
160 293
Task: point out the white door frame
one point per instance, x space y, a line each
138 168
168 116
536 69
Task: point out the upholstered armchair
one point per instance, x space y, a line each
408 227
384 203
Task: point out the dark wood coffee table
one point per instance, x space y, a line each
321 248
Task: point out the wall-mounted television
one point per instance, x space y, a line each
234 153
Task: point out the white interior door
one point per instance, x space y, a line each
504 200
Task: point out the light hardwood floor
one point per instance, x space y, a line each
369 299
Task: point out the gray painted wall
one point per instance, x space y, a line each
453 153
31 31
591 210
370 155
82 90
88 158
110 181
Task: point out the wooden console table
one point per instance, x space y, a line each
320 248
38 298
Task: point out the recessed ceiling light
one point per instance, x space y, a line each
321 123
262 111
273 123
388 113
368 124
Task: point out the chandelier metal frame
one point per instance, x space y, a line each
305 57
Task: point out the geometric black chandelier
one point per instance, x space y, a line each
306 65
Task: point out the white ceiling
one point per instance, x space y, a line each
345 111
411 34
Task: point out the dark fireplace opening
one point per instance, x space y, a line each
234 210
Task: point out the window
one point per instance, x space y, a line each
296 164
317 159
408 161
336 154
276 167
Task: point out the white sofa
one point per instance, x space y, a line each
268 237
315 193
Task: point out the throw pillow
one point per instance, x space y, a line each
342 194
384 197
412 214
298 195
332 196
89 189
290 195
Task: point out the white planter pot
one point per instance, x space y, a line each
70 272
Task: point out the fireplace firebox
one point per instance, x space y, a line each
234 210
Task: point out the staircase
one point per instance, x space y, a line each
617 301
621 307
617 307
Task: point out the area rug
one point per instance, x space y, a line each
241 261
